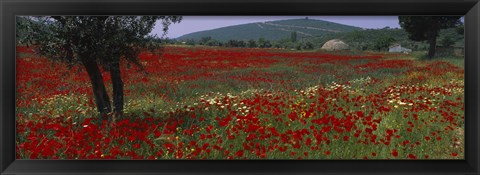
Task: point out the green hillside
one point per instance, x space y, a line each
273 30
369 39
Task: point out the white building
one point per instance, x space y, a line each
398 48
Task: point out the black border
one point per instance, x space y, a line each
10 8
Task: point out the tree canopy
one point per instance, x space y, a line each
94 41
105 39
427 28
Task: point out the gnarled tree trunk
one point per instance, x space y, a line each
433 43
117 85
101 97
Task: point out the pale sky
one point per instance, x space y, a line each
191 24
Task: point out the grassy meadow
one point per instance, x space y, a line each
239 103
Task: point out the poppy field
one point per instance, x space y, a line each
242 103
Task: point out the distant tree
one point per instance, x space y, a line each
159 41
263 43
190 42
94 41
357 39
204 40
447 41
427 28
231 43
23 29
288 45
299 46
282 43
277 45
241 44
293 36
213 42
382 43
460 29
252 43
308 45
235 43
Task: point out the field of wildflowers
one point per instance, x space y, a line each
237 103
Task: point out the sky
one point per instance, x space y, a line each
191 24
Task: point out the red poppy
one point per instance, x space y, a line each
239 153
394 153
427 138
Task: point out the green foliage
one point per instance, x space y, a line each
263 43
190 42
23 28
421 28
235 43
204 40
382 43
272 30
427 28
460 29
93 41
357 40
308 46
207 41
298 46
452 37
447 41
213 42
159 41
252 43
277 45
282 34
104 39
284 43
293 37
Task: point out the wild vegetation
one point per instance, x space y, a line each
272 30
357 38
238 103
240 99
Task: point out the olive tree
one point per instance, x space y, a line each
94 42
427 28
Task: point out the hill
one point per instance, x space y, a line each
273 30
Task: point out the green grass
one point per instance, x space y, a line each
291 85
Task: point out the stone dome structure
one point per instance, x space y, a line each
335 44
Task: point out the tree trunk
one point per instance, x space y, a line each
117 85
433 42
100 93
